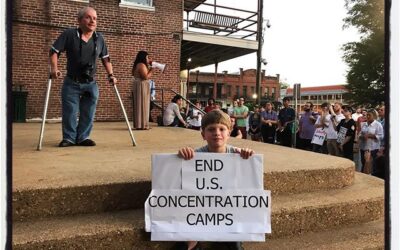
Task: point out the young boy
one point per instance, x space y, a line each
215 128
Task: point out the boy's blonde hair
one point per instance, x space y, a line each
214 117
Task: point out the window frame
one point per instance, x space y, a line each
245 91
128 4
228 90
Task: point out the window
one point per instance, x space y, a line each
219 90
194 89
273 92
244 91
140 4
229 90
238 91
203 90
266 91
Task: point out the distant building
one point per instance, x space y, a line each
317 95
232 86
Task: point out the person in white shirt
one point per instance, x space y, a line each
152 97
357 114
370 138
195 116
334 119
172 115
231 108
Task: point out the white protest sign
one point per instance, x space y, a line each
319 137
341 135
220 197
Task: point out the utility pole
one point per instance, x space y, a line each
259 50
215 81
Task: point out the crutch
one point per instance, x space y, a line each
46 103
126 117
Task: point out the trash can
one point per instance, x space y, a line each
19 104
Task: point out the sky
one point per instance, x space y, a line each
303 44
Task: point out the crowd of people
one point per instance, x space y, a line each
335 129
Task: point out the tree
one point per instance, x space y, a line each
365 58
284 85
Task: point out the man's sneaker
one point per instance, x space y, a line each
65 143
87 142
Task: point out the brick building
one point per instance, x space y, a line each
170 30
317 95
126 28
232 86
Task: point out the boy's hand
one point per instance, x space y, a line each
186 153
245 153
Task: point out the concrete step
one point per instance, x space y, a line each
118 230
129 235
368 235
297 213
292 215
47 202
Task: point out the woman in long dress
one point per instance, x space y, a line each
141 72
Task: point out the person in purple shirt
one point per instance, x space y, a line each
306 126
269 121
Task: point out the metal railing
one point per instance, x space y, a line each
160 104
176 93
222 20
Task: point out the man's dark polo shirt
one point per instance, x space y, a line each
286 115
79 52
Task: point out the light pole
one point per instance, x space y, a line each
260 39
259 50
188 64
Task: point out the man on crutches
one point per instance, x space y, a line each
80 91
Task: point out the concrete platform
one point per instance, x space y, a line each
114 159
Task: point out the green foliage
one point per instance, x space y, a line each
250 105
365 58
284 85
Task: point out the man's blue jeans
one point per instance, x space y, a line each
78 98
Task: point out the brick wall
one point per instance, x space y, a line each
244 78
37 23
